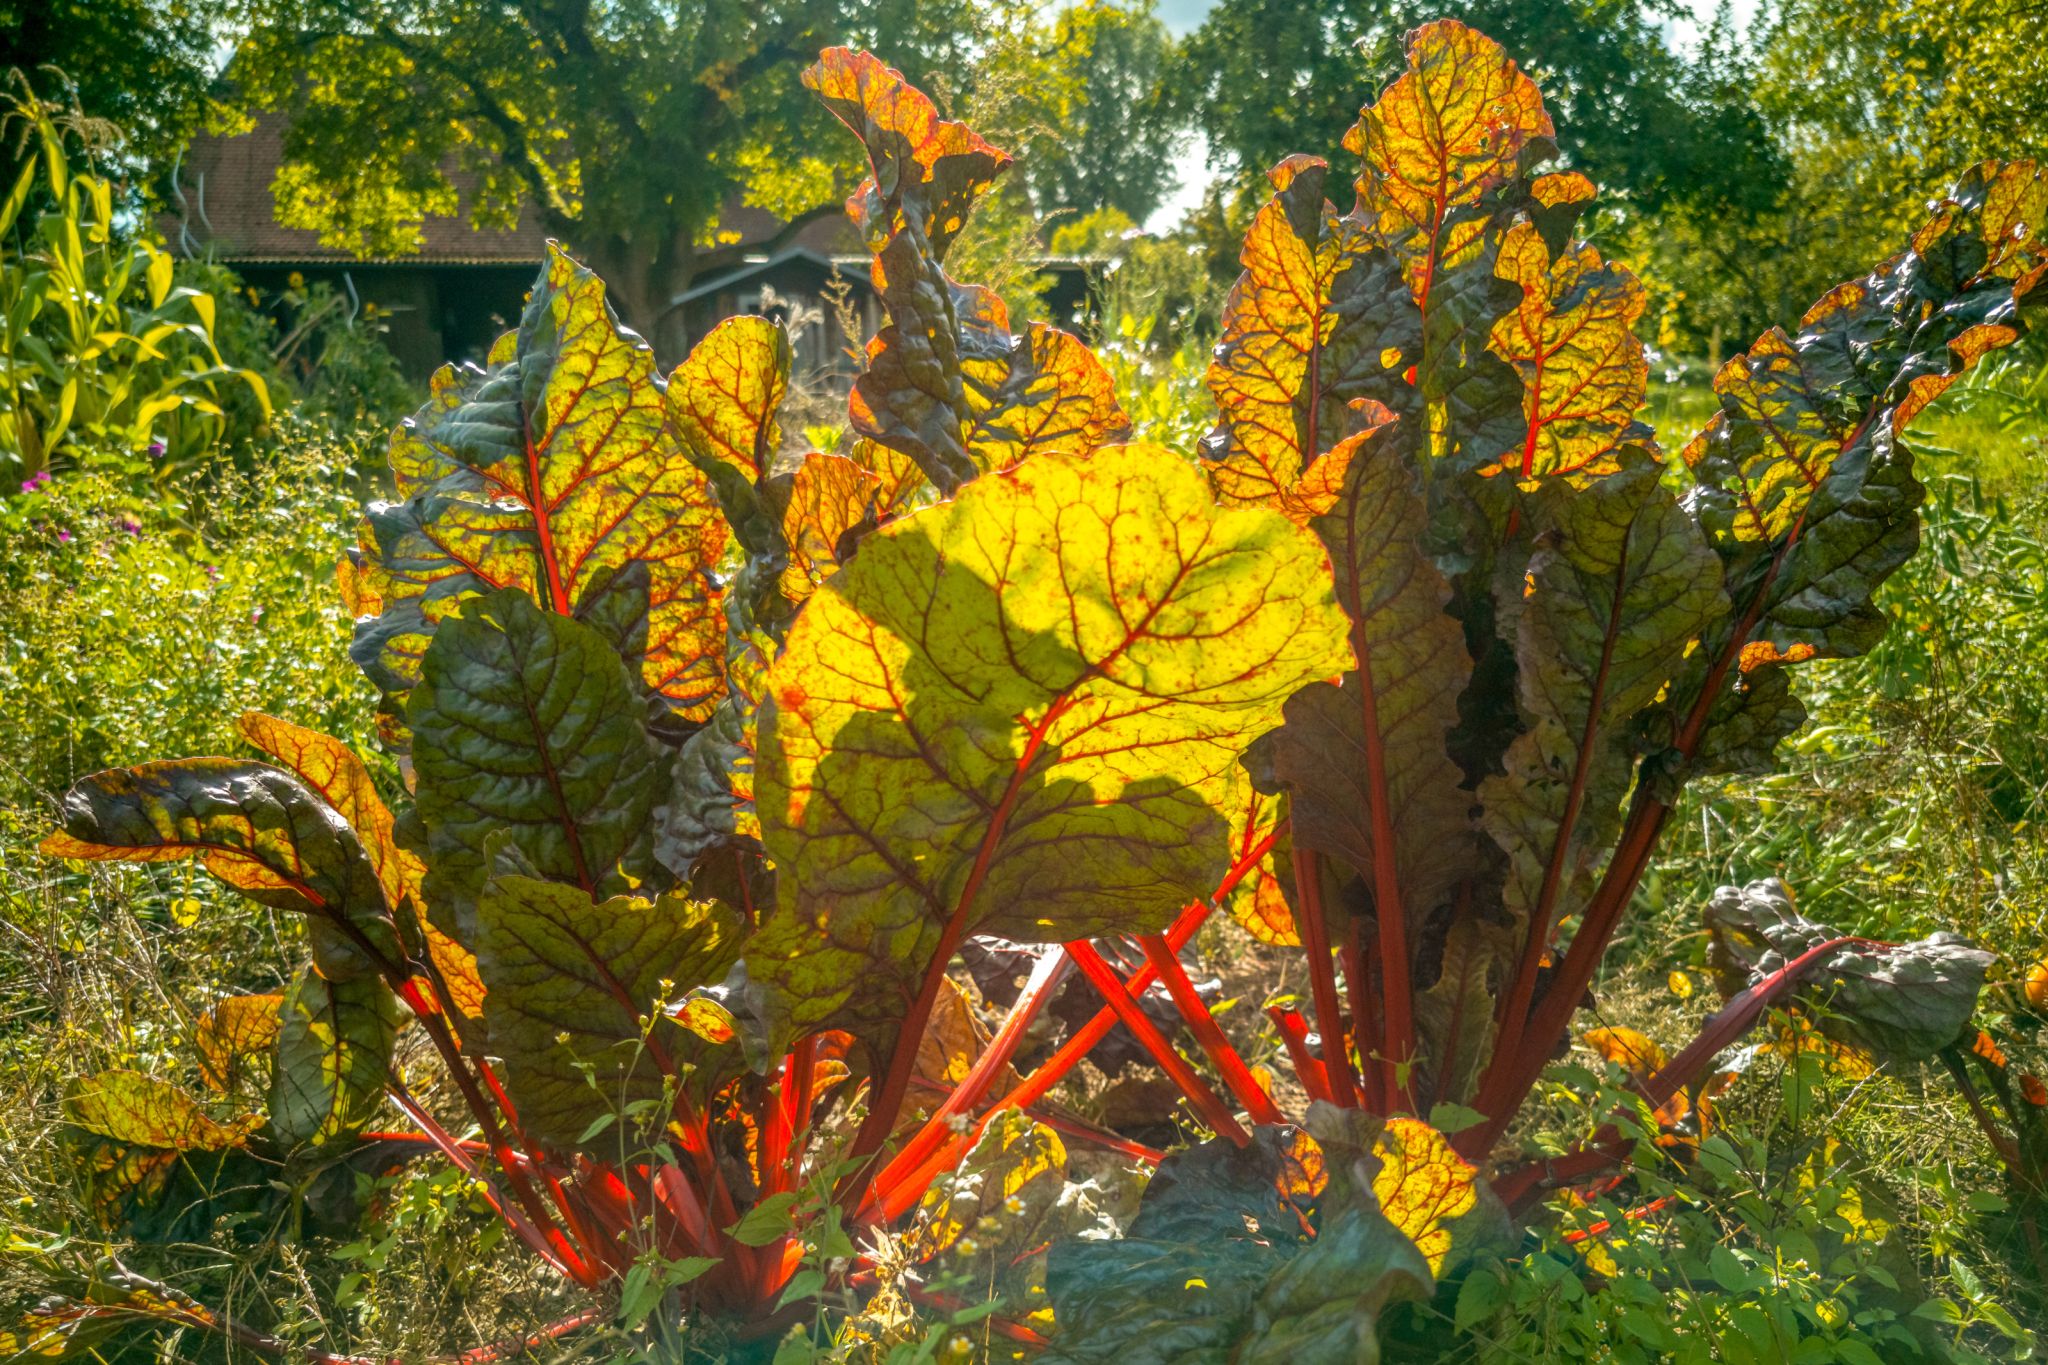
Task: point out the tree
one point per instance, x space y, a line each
136 69
1104 138
629 130
1265 78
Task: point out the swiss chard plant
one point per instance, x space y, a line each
717 753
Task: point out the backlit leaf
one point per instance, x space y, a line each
1025 708
258 829
140 1110
725 396
1452 128
946 382
575 983
525 729
1317 322
231 1031
549 472
827 498
1573 344
333 1058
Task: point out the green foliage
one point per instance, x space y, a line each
139 69
627 135
1267 78
1099 135
104 359
713 756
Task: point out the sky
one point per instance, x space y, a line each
1191 165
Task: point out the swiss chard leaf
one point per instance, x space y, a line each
1899 1003
548 473
1285 1250
1621 586
524 729
1803 483
574 987
1363 761
333 1058
1022 710
257 828
946 382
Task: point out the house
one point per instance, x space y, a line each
466 286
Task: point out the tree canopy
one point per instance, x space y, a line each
1265 78
629 131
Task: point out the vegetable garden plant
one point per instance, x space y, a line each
715 759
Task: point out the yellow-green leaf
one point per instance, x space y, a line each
1024 708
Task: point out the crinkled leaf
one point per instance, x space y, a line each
255 827
1451 129
333 1058
1803 484
1024 708
1317 323
574 984
548 472
1573 344
1323 1307
524 728
946 381
1214 1225
1622 585
142 1111
711 795
1901 1003
1368 779
230 1032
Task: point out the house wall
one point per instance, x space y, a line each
431 313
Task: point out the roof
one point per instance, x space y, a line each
226 211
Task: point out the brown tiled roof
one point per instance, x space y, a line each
228 212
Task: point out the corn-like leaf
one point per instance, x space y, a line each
573 989
257 828
333 1058
549 472
946 382
1024 708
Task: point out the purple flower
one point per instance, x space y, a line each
35 480
28 485
63 537
212 571
131 526
156 450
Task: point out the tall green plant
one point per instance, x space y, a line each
103 357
